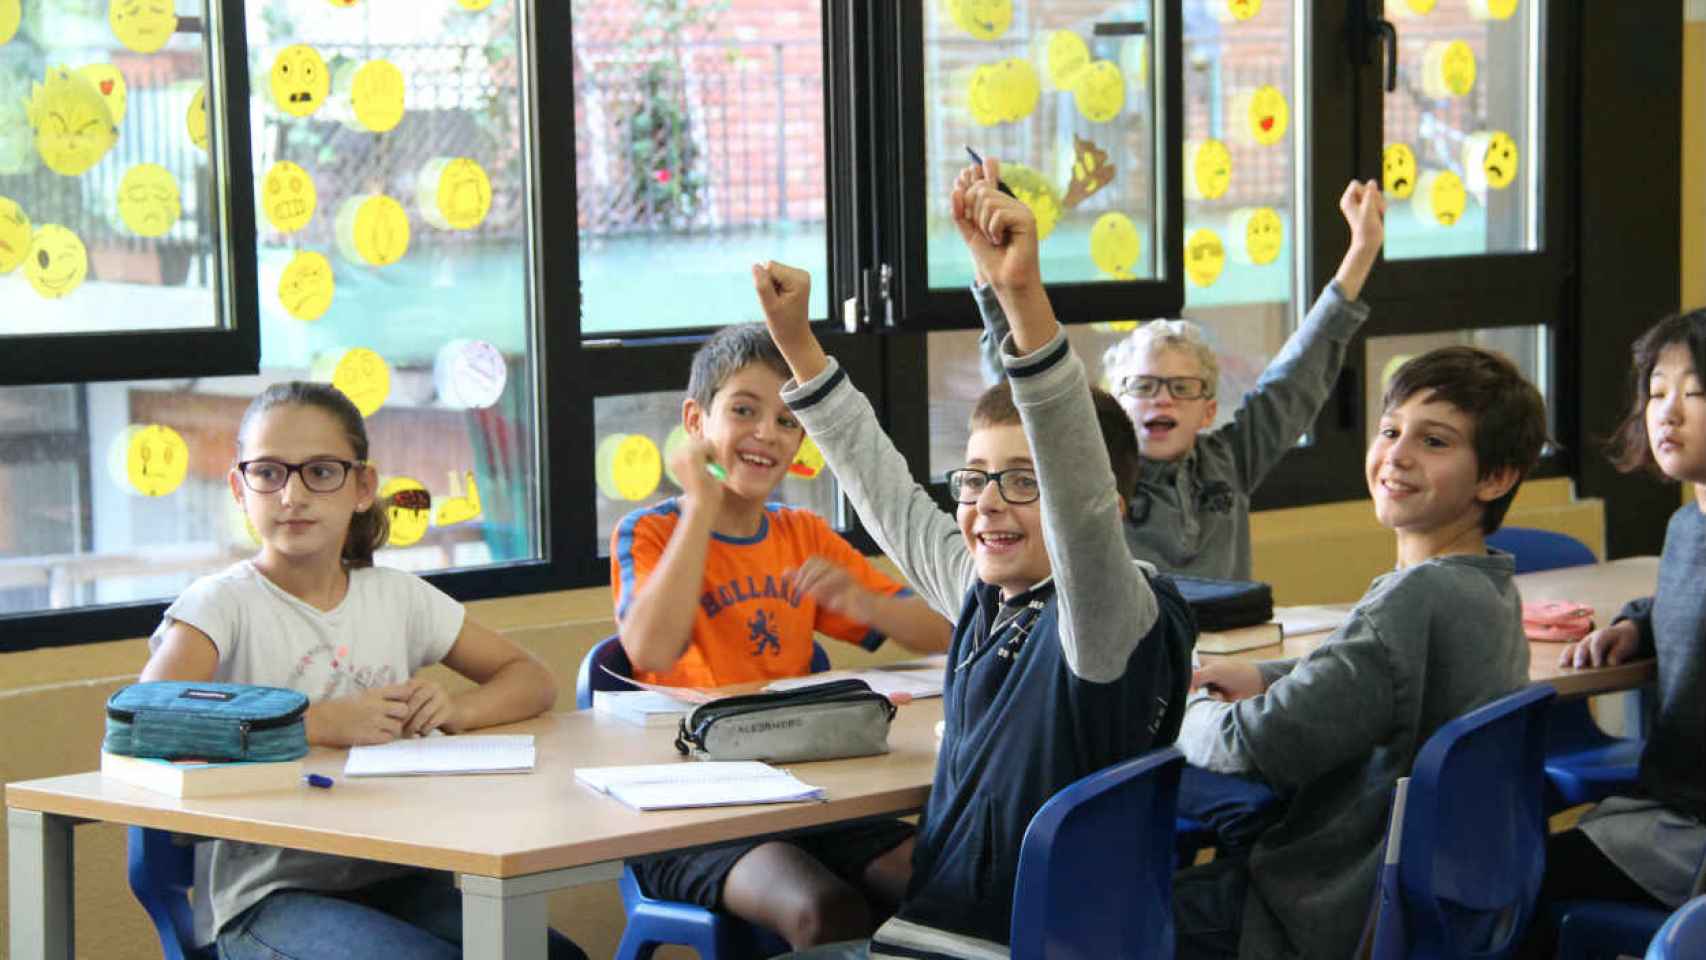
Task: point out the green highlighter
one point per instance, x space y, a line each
716 470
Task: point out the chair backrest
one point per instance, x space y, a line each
1469 835
608 653
161 875
1541 549
1683 935
1096 865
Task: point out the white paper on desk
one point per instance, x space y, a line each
1300 620
684 694
915 683
664 786
427 756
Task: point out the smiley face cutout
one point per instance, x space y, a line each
1489 160
372 229
474 6
376 92
1492 9
453 193
364 377
57 262
1003 92
1260 233
148 200
73 126
983 19
1211 169
1115 245
142 25
195 120
1066 55
408 506
299 81
1398 171
307 286
1448 69
1266 115
156 459
1099 91
288 197
14 235
1205 257
1439 199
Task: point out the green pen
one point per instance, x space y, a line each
716 470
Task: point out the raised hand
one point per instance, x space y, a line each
1228 680
689 464
1000 231
785 294
1365 211
1604 647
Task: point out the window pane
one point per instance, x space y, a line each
1527 347
413 301
636 435
699 150
1463 130
108 219
1063 95
1239 217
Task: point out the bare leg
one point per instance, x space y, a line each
779 886
885 879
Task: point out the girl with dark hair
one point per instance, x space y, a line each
311 612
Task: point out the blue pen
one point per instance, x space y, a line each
1000 185
318 780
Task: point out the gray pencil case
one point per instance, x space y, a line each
839 718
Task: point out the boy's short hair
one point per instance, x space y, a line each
995 408
1508 412
1157 335
1630 447
726 353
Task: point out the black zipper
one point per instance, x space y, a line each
849 691
265 723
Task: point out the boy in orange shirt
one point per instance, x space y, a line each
762 578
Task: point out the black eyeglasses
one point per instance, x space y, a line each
1182 388
322 475
1016 485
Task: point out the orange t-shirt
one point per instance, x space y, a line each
751 624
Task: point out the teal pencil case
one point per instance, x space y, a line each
177 720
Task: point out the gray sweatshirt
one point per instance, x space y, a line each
1192 516
1337 728
1659 837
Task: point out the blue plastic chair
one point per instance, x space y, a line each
1596 929
1683 937
1536 550
161 874
1584 764
653 923
1467 844
1096 866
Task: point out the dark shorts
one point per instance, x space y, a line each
698 877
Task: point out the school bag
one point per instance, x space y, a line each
180 720
1226 604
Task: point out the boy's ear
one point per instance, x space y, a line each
692 418
1209 411
1496 484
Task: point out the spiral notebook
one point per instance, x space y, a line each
714 783
429 756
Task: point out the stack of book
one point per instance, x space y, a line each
195 778
643 708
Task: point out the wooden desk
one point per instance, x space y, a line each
1606 586
511 839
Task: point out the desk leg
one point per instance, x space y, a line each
40 882
506 918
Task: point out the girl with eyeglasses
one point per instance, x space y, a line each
311 612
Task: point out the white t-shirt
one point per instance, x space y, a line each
389 626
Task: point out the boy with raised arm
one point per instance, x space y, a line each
1067 656
1190 508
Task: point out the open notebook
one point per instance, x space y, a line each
887 681
426 756
713 783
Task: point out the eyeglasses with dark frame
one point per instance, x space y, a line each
1182 388
1015 484
319 475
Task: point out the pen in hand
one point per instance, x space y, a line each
1000 185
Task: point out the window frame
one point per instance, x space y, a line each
234 348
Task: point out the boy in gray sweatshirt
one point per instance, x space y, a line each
1331 732
1190 511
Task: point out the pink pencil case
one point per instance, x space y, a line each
1557 621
